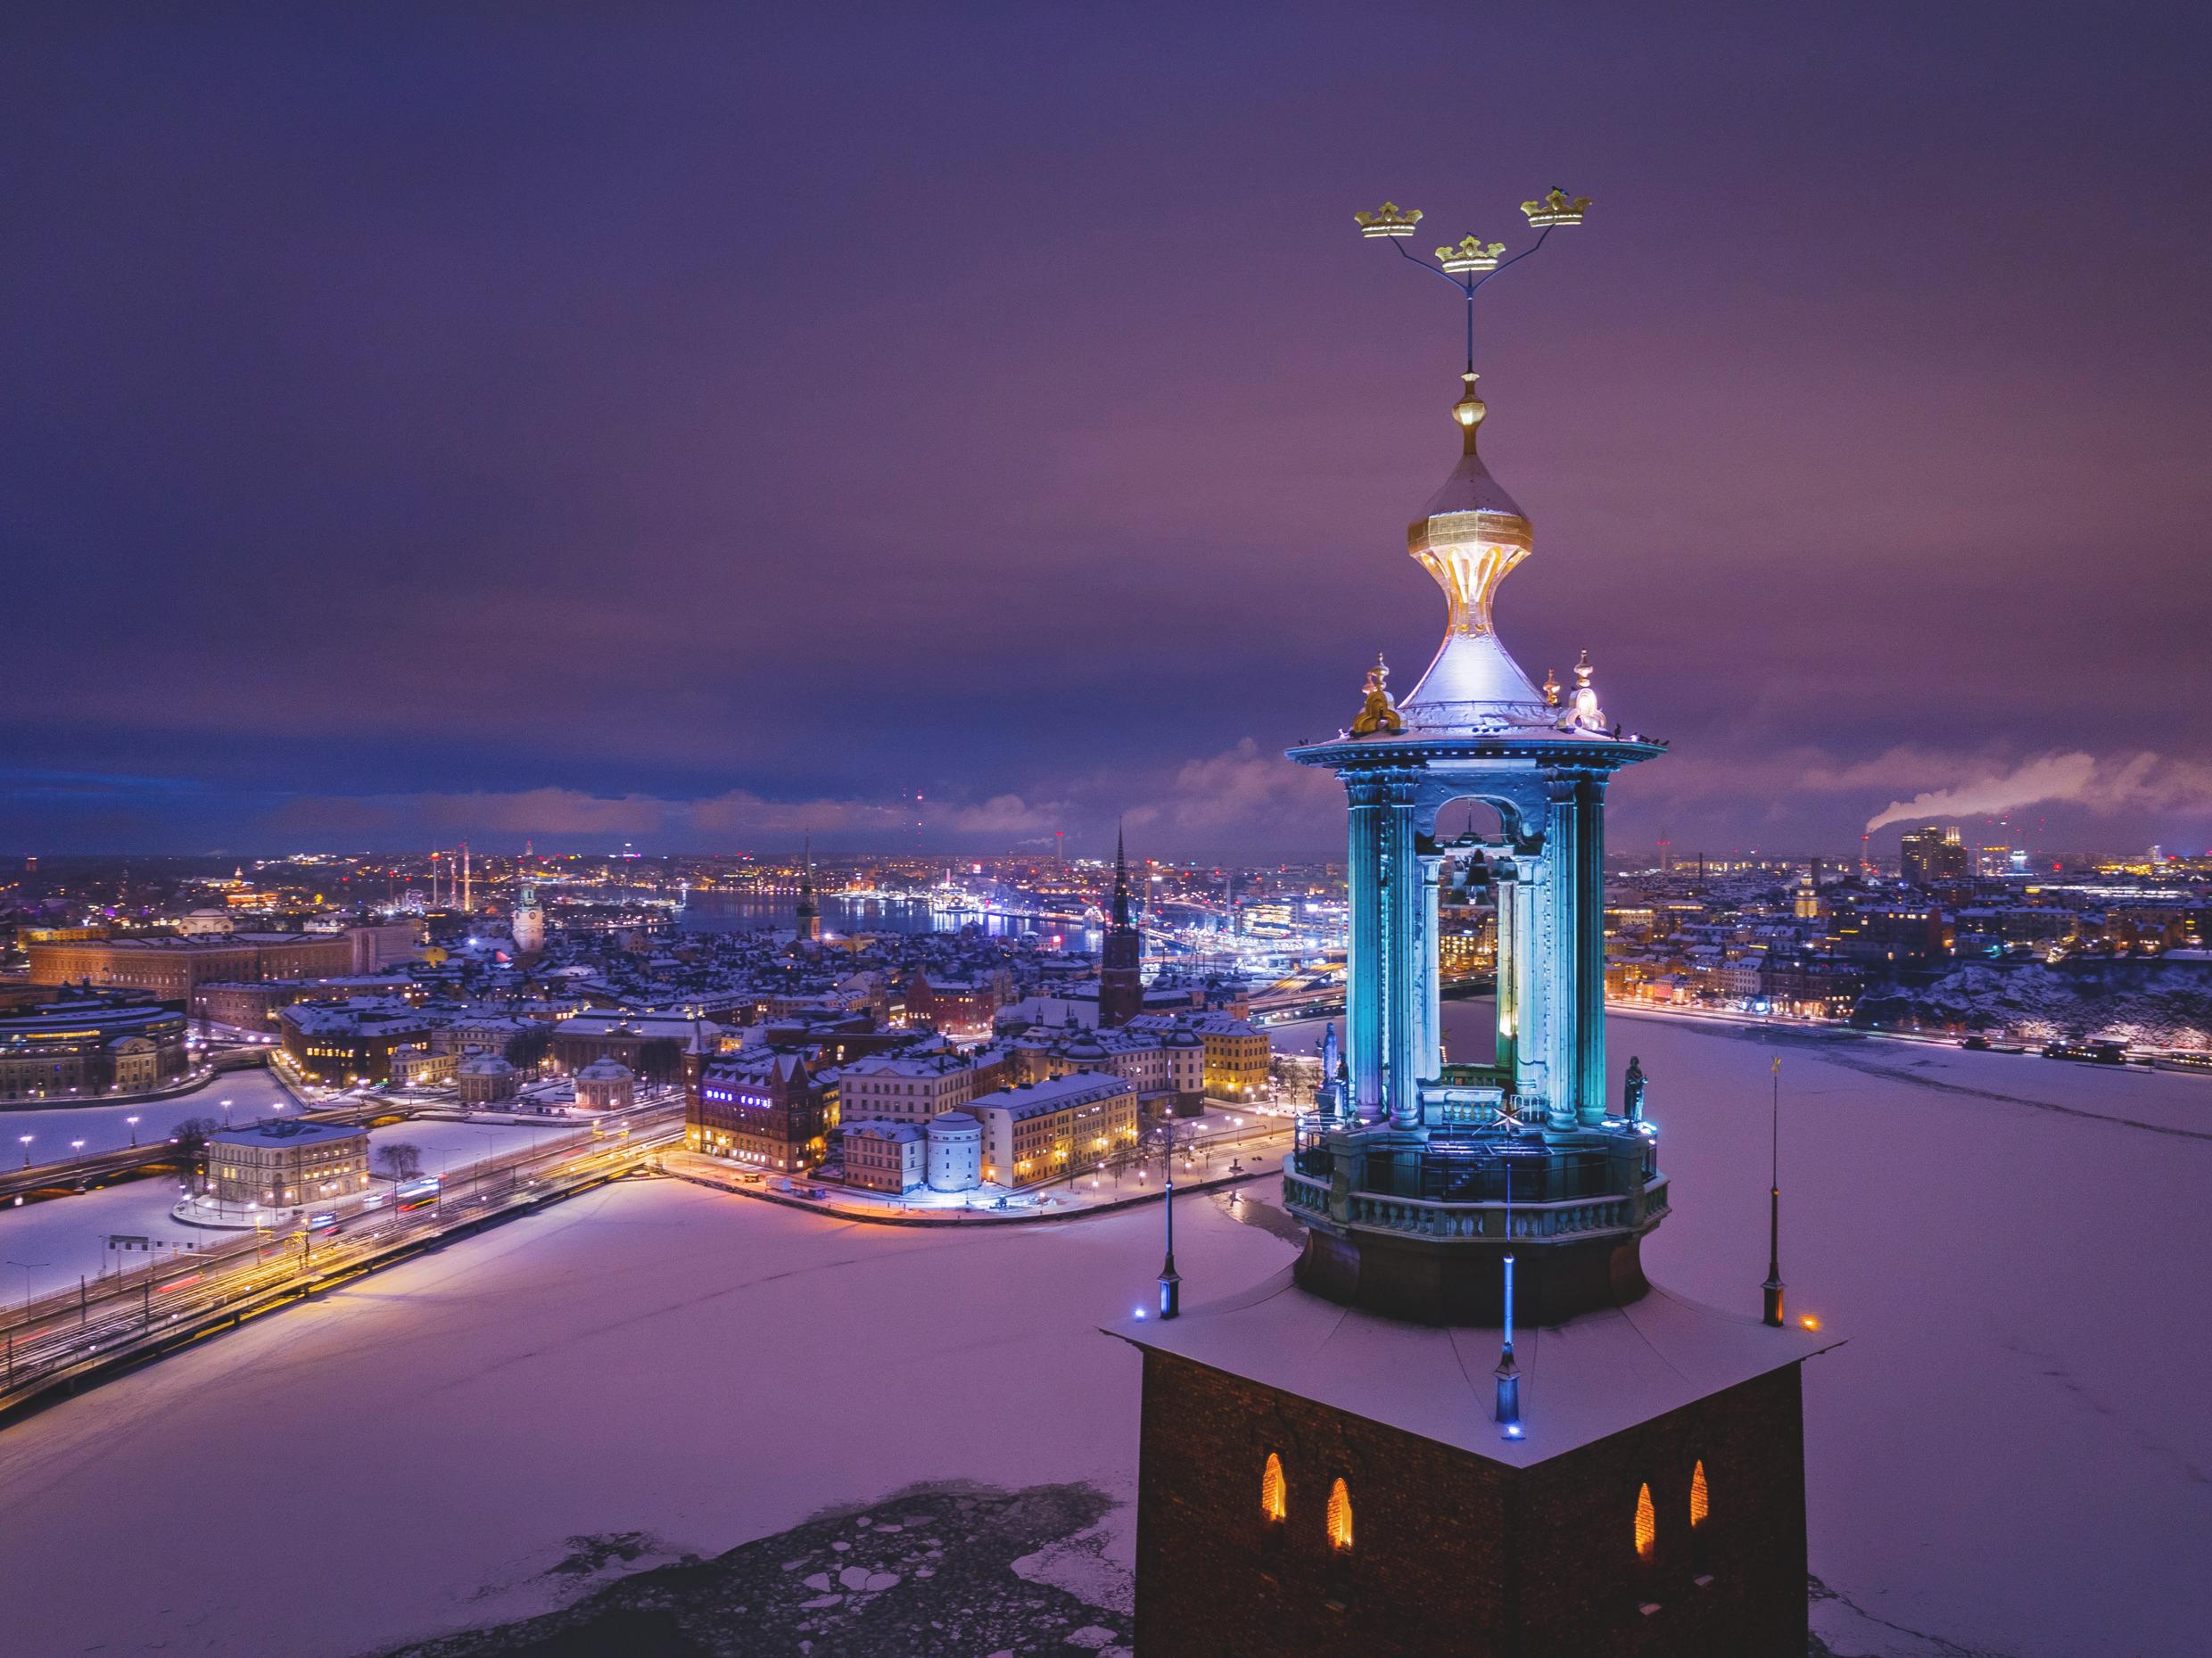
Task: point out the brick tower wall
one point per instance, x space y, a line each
1453 1555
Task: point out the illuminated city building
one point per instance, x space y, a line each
1359 1456
903 1088
809 914
885 1156
286 1165
333 1043
484 1079
605 1085
1931 855
88 1043
767 1109
171 968
1034 1133
960 1007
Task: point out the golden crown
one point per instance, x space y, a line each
1389 219
1471 253
1556 208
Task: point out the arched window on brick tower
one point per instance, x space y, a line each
1646 1525
1339 1516
1700 1523
1274 1499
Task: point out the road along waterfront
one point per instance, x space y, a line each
62 1341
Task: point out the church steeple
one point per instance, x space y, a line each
1121 880
1121 975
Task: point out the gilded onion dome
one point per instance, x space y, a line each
1469 538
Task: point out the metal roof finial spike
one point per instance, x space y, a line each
1170 1279
1508 1375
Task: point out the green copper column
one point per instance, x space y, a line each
1401 955
1363 994
1507 886
1589 946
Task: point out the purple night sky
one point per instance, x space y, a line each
691 425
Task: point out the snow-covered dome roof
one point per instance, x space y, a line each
606 1070
486 1065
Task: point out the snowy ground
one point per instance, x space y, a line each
253 1095
61 1238
2009 1457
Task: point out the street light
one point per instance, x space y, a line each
133 1129
27 1266
26 1139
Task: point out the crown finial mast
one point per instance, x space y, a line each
1469 262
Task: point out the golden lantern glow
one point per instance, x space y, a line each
1275 1497
1339 1516
1646 1525
1700 1499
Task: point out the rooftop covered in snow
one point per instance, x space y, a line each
1582 1381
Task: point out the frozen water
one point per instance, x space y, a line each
253 1095
2007 1455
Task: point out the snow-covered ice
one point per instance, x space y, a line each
253 1095
2008 1453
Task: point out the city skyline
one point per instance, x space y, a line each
441 442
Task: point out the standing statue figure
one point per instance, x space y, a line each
1329 1096
1633 1091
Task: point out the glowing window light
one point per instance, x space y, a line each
1273 1495
1339 1516
1646 1525
1700 1501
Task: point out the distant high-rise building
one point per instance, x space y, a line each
1121 973
809 910
1931 855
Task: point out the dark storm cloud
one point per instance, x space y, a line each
428 418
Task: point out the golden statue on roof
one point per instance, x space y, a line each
1377 714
